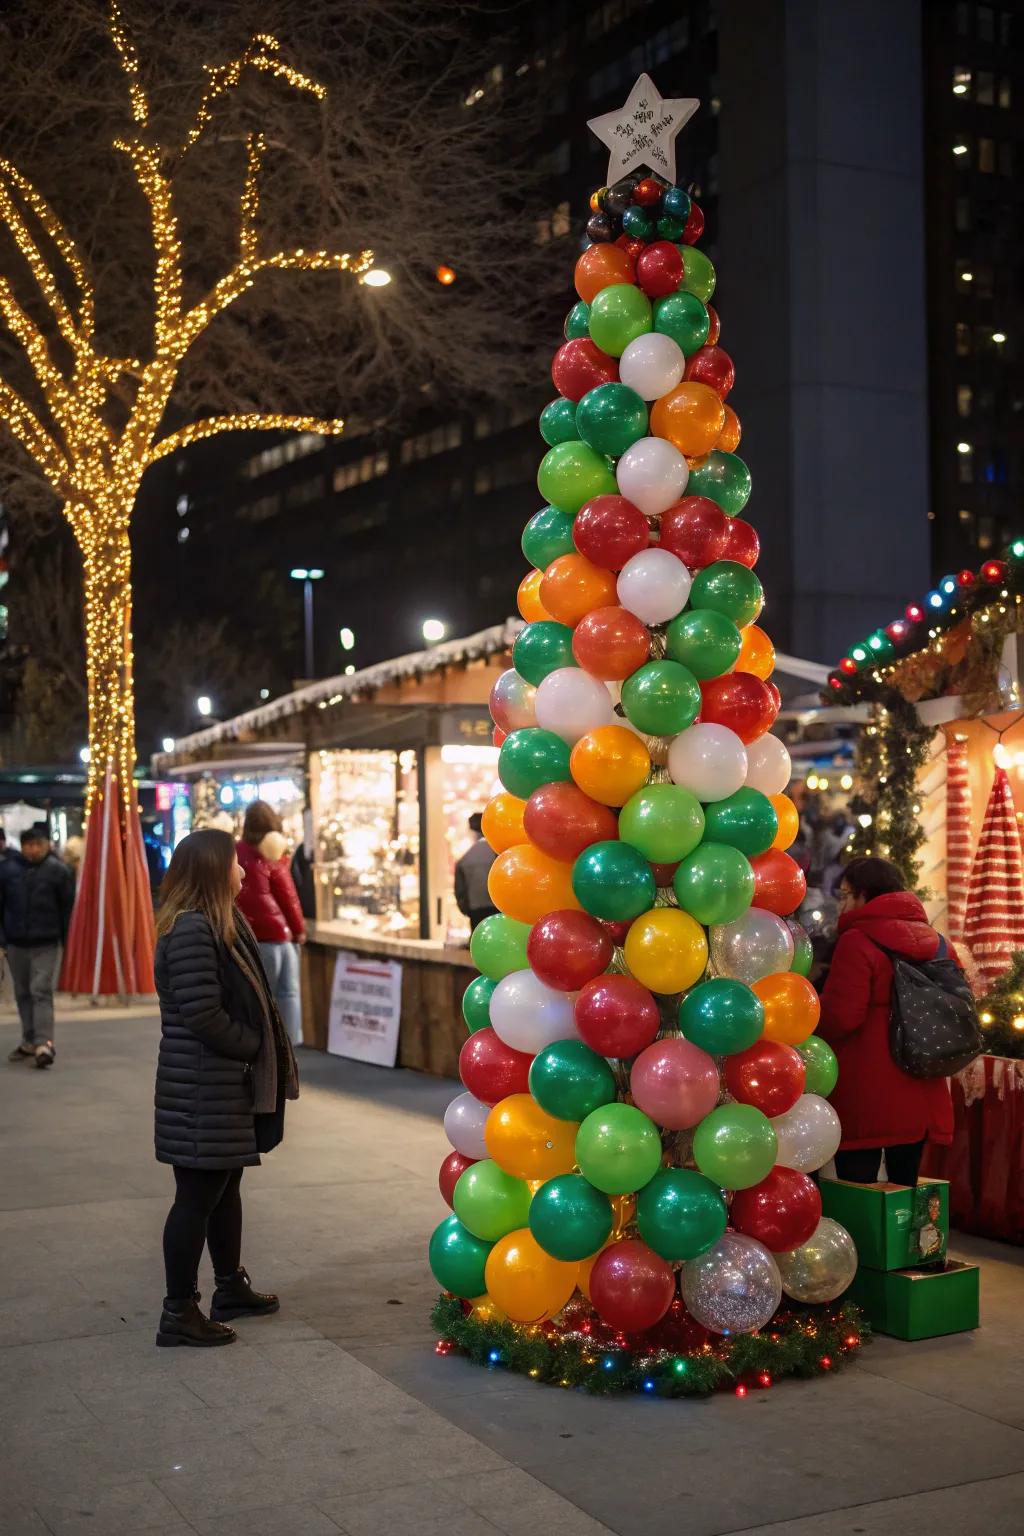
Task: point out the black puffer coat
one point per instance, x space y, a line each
211 1032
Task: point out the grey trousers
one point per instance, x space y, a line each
34 971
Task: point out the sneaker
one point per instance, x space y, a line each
22 1052
44 1054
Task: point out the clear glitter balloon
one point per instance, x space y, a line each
823 1267
808 1134
757 944
734 1287
513 702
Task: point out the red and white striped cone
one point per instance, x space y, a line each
994 922
958 837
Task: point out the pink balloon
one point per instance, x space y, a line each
674 1082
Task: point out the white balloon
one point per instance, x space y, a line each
528 1015
464 1122
570 702
709 760
652 365
769 765
808 1134
654 585
652 474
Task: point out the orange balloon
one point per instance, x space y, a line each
527 1142
757 654
571 586
791 1007
528 598
691 417
524 1281
609 764
729 437
789 820
503 821
527 884
599 267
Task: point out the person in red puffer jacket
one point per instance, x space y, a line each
881 1107
270 903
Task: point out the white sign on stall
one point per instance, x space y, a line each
366 1005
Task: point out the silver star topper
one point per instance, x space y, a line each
644 132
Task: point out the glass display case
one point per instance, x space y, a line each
367 818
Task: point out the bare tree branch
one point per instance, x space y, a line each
211 426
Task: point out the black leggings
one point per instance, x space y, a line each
861 1164
207 1209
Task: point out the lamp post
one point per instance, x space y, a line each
307 575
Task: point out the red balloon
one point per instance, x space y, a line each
452 1169
742 543
694 225
715 329
631 1286
769 1075
490 1069
780 885
579 366
648 192
609 530
568 949
782 1211
610 643
659 269
498 735
713 367
561 821
696 530
616 1016
740 701
776 697
616 931
664 874
631 247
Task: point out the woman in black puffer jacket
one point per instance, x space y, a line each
225 1068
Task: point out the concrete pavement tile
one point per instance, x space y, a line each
281 1520
171 1399
425 1508
520 1506
41 1408
22 1520
970 1509
114 1511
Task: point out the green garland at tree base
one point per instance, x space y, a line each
812 1341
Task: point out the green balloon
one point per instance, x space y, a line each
569 1080
803 950
724 478
457 1258
746 820
705 641
670 228
547 535
698 273
613 881
722 1016
618 1149
498 946
476 1003
577 322
683 317
638 223
728 588
715 884
532 757
664 821
680 1213
611 418
541 648
569 1217
571 474
822 1066
490 1202
618 315
558 422
735 1145
661 698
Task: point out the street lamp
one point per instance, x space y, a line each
168 743
434 630
377 277
348 638
307 575
204 704
84 754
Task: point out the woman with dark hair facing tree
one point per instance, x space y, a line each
881 1107
225 1068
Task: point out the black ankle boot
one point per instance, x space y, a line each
181 1322
235 1297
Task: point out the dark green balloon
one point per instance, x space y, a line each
670 228
577 321
498 946
721 1016
715 884
637 223
568 1080
683 317
613 881
728 588
803 950
457 1258
547 535
558 422
611 418
724 478
541 648
746 820
705 641
661 698
735 1145
489 1202
698 273
572 473
532 757
476 1003
822 1066
570 1218
619 314
664 821
680 1213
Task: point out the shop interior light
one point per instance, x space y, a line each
958 149
84 754
963 447
434 630
967 277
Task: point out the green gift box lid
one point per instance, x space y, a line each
919 1304
892 1225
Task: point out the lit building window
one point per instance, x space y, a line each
961 82
965 463
963 399
963 339
295 446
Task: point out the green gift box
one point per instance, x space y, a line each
892 1225
919 1304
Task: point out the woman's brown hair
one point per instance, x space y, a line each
260 818
870 876
198 879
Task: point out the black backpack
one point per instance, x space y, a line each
933 1022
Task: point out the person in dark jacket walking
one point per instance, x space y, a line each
225 1069
270 904
37 893
471 871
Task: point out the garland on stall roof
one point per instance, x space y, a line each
891 749
1001 1011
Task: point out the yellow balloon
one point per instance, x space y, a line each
485 1311
524 1281
528 1143
789 820
666 950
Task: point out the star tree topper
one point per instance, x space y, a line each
644 132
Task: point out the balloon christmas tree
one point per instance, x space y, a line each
645 1097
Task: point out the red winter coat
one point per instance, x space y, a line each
268 899
878 1104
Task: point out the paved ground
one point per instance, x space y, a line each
337 1416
